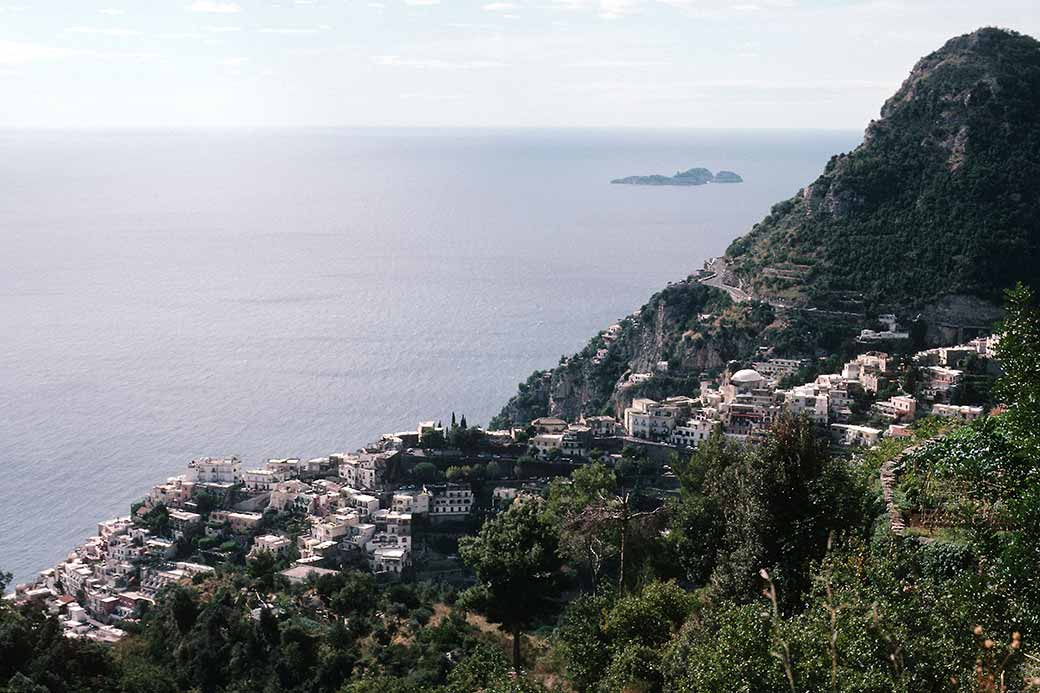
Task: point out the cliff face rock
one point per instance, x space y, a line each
939 200
683 332
956 318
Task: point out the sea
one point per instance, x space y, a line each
292 293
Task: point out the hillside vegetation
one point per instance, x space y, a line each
939 199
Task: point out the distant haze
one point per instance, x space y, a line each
471 63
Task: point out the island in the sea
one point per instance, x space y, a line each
693 176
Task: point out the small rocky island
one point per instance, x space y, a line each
693 176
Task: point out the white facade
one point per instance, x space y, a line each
451 501
545 443
960 413
856 435
777 369
805 401
650 419
209 470
261 480
334 527
417 502
271 543
898 408
363 503
286 468
692 433
389 560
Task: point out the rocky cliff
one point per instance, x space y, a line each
683 333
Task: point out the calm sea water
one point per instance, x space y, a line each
171 294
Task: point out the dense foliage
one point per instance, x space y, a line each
939 199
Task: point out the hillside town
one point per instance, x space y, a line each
363 509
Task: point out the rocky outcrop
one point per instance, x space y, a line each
683 333
956 318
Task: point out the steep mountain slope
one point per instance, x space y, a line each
941 198
935 213
683 331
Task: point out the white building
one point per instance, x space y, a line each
744 382
804 400
575 441
287 468
868 370
778 369
261 480
450 501
692 433
271 543
848 434
650 419
181 521
416 502
333 527
364 470
210 470
390 560
898 408
545 443
960 413
362 503
941 381
601 426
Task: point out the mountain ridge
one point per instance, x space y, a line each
939 200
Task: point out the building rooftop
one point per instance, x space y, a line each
746 376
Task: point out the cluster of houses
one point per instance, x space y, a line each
746 401
350 507
354 507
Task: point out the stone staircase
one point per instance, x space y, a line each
888 485
889 473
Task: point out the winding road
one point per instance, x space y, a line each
717 267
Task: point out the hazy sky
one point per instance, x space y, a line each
639 63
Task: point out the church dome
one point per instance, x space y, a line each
746 377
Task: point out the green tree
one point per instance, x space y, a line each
432 440
482 667
1019 355
157 520
515 559
426 471
580 641
263 568
587 485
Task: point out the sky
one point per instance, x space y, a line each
471 63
